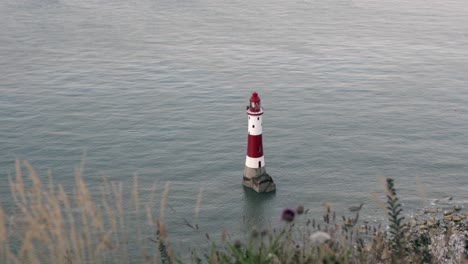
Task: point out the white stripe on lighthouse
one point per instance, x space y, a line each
254 162
255 125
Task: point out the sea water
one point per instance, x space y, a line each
353 91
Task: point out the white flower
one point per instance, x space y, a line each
273 258
319 237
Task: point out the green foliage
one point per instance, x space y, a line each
55 227
421 247
396 225
257 250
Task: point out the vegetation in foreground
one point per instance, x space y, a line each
48 225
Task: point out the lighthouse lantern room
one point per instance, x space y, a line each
255 175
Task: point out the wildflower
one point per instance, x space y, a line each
288 215
300 210
319 237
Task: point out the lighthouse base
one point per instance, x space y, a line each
258 180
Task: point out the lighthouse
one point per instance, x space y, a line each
255 175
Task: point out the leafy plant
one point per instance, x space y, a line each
397 228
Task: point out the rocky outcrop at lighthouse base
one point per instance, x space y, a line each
258 180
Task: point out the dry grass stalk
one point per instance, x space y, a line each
19 186
162 208
51 226
135 198
3 235
223 235
421 190
197 206
136 203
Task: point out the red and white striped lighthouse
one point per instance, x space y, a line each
255 175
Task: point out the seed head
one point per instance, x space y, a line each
300 210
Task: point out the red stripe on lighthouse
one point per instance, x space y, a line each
254 146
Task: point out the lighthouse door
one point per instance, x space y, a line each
259 164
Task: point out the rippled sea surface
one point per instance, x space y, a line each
353 91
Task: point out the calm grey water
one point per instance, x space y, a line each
353 91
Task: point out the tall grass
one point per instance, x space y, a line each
50 225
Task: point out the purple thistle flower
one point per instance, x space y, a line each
288 215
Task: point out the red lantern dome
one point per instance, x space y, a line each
254 106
